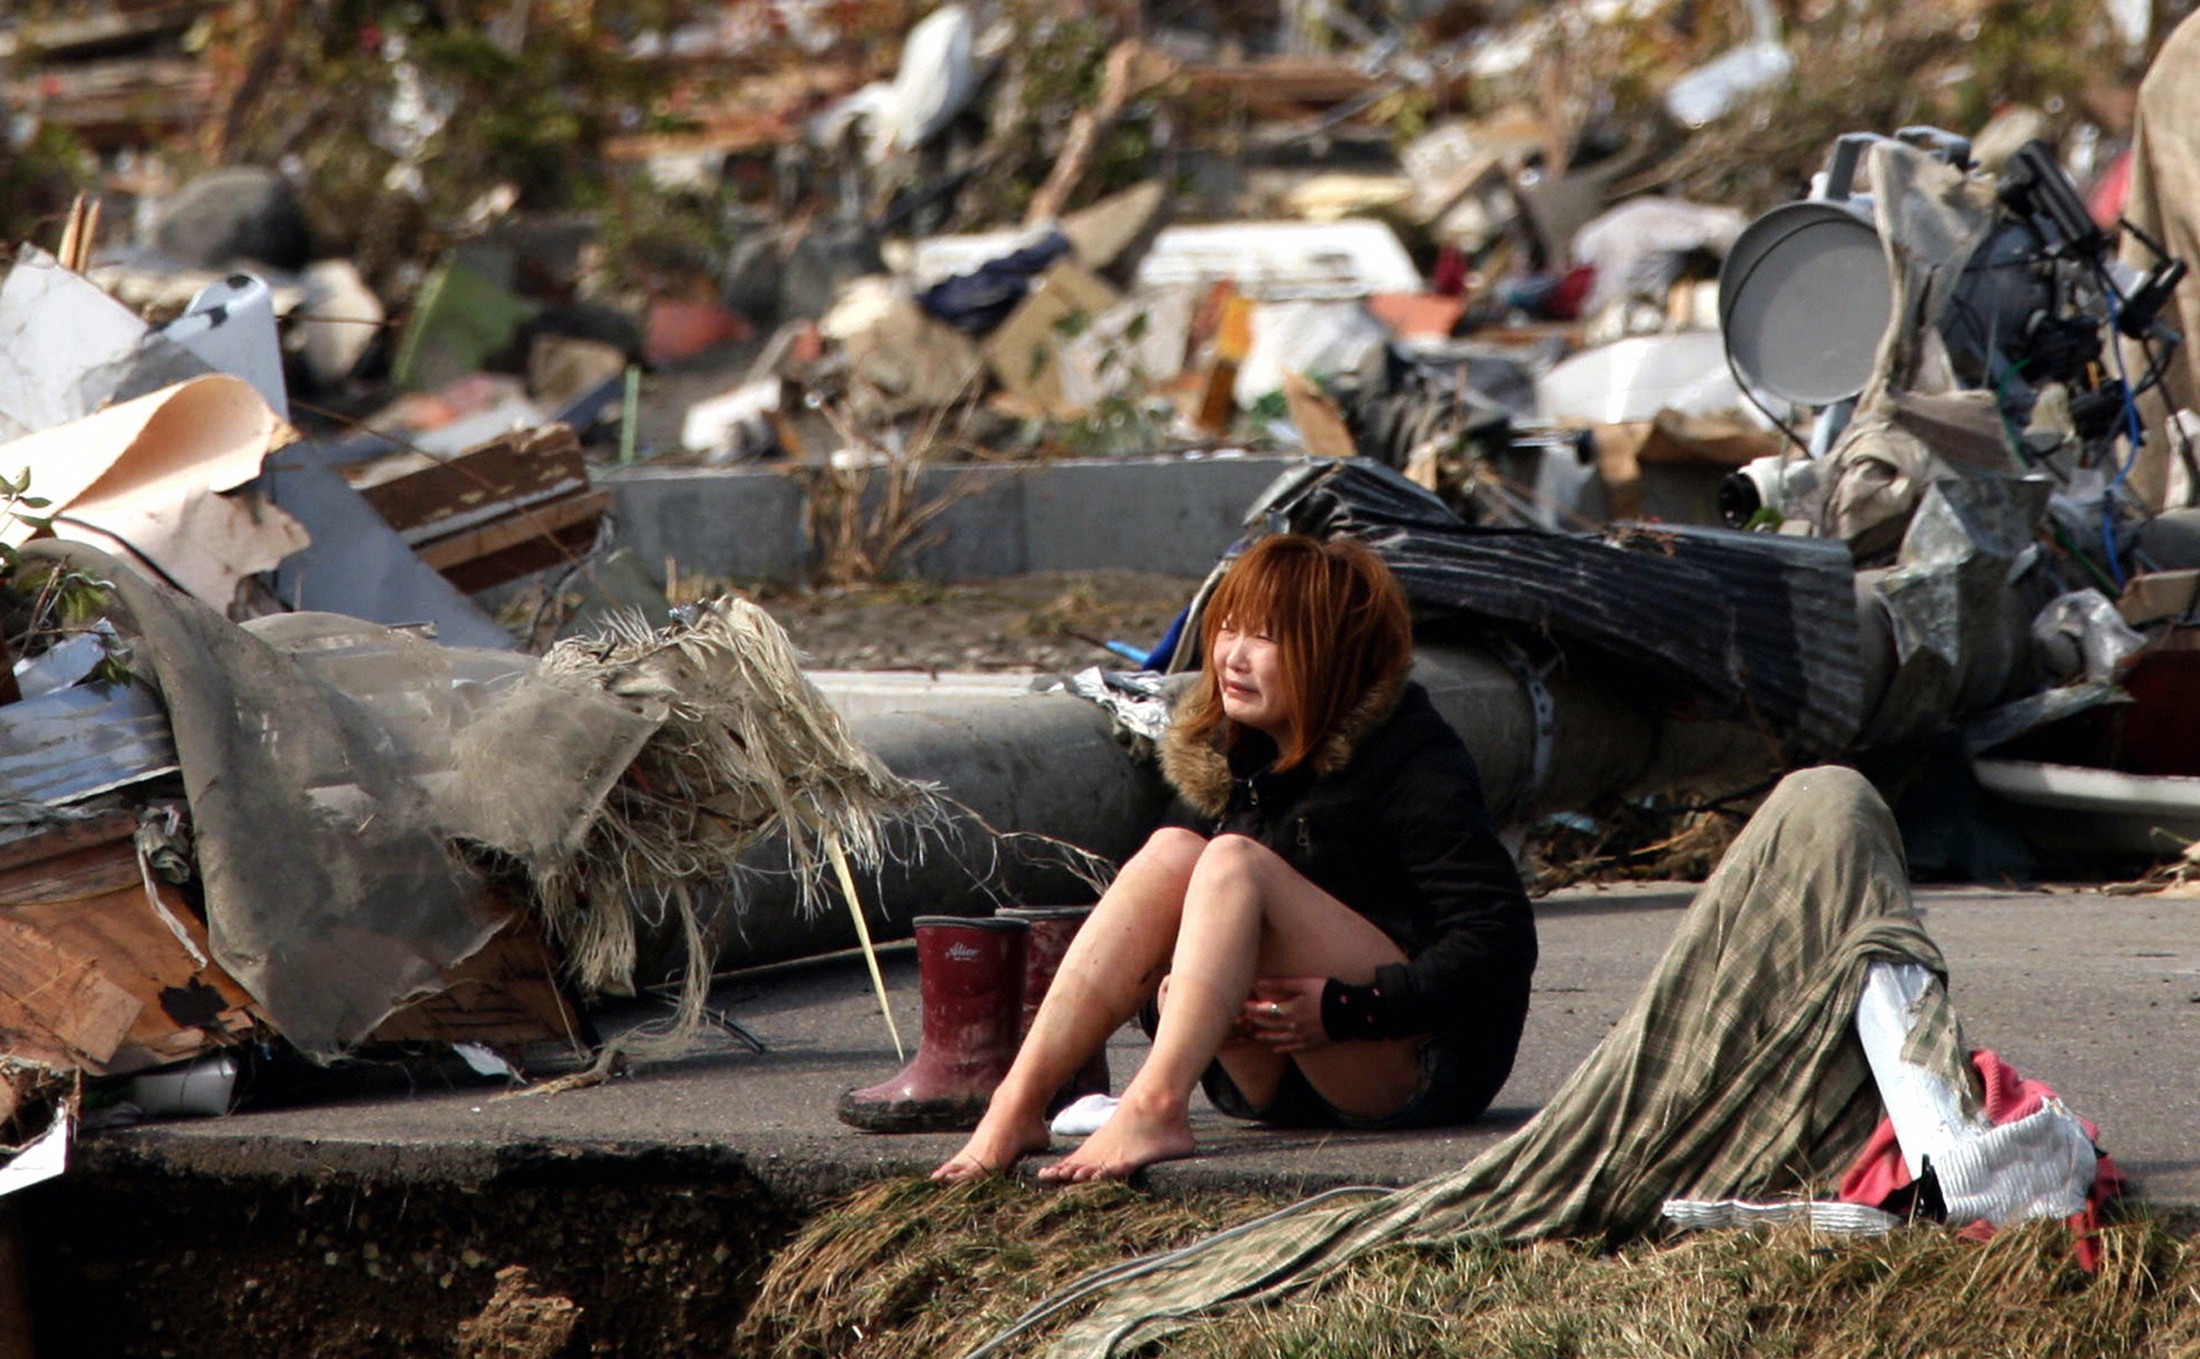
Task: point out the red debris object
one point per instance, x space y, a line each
680 328
2110 192
1418 316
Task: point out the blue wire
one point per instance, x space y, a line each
2131 424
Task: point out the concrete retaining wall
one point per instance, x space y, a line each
1172 516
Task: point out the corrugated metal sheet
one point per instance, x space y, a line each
1754 626
70 744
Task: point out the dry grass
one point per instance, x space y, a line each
1656 843
1918 1292
908 1268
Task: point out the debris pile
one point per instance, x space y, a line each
1647 368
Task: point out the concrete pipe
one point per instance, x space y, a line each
1048 763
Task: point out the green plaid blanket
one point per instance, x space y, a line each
1736 1073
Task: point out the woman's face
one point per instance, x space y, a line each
1249 671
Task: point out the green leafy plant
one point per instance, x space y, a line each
47 602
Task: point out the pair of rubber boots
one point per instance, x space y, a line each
981 981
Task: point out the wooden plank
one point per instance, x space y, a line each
107 101
78 35
56 1006
21 845
532 522
91 901
413 492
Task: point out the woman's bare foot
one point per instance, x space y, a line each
1139 1133
993 1147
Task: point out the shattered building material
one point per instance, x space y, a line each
1282 261
1635 378
1760 628
899 359
395 771
1335 339
112 103
501 510
1022 352
59 748
1639 248
357 564
132 984
75 350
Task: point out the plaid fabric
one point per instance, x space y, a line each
1735 1074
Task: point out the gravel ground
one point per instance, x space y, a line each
1036 624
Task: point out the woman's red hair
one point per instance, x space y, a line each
1341 626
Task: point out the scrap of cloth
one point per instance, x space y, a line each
1880 1174
353 786
330 767
1736 1073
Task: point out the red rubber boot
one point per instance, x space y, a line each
1052 929
970 975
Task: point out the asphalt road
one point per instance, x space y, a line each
2097 995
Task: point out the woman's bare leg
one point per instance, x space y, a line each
1246 913
1114 963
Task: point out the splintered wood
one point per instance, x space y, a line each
496 512
104 967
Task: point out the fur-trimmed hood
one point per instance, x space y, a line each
1200 772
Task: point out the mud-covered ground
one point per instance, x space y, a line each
1036 624
619 1261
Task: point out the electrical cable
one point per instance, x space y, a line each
2131 419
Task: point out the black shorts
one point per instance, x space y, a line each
1453 1090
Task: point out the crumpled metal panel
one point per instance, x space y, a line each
73 743
1759 627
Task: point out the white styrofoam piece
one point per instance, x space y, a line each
1635 378
1283 261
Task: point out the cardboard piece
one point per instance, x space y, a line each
504 996
1623 450
2158 595
1022 353
1321 424
148 479
1112 235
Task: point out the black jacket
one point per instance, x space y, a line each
1387 816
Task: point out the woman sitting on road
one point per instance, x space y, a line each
1336 935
